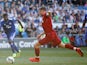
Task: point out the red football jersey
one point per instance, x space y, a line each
47 24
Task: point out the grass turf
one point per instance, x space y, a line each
49 56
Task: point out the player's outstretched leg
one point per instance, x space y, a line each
17 54
69 46
14 49
17 51
37 52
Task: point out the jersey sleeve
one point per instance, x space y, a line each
12 21
13 24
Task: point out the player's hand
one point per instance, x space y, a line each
38 37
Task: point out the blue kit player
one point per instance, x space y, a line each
9 28
85 20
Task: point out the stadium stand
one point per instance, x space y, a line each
64 12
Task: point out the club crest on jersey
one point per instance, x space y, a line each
8 26
4 24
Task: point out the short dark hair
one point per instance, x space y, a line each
5 14
43 8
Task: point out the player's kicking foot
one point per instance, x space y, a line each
78 50
18 53
14 55
34 59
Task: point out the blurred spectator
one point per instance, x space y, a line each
72 17
66 39
63 11
27 12
64 28
37 20
55 17
31 30
28 31
86 4
20 28
57 29
75 28
33 34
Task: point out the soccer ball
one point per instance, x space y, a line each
10 59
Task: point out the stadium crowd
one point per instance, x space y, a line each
27 12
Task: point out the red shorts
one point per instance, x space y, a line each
50 37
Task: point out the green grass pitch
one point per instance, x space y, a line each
49 56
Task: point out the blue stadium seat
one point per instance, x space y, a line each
24 35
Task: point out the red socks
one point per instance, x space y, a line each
37 51
69 46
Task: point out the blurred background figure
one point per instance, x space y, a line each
63 12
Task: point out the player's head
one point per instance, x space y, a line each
42 10
5 16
